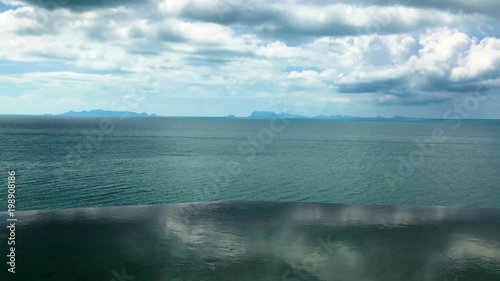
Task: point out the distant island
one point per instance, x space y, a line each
253 115
106 113
270 114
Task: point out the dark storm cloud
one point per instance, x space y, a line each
410 98
428 90
296 34
281 21
225 10
487 7
369 87
399 89
284 22
81 4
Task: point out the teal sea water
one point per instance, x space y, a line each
64 162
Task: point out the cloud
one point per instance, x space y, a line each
311 53
486 7
77 5
290 20
447 61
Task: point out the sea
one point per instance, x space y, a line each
210 199
74 162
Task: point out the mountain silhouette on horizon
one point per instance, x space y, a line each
271 114
106 113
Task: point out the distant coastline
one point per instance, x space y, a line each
104 113
253 115
270 114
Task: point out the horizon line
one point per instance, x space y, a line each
347 117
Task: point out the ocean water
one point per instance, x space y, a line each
97 162
256 241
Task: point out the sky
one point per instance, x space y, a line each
420 58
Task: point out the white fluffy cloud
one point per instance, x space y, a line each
315 55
